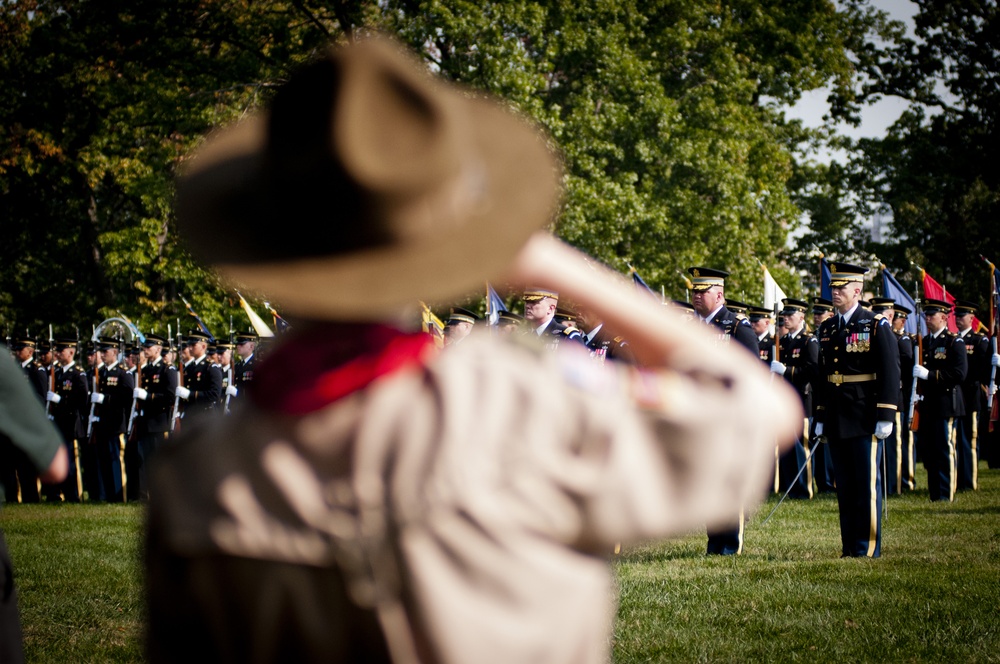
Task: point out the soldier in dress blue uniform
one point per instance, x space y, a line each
224 358
509 322
156 398
459 325
708 298
540 306
858 391
684 309
822 309
113 400
19 471
799 365
246 347
942 369
760 321
885 306
977 348
907 457
603 343
70 409
202 378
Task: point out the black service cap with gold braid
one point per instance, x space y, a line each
736 306
460 315
964 307
936 306
842 274
821 305
535 294
703 278
791 305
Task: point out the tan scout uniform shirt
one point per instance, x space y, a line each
463 509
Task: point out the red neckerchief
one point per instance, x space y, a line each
314 368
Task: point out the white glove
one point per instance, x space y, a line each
777 367
995 360
140 394
95 418
53 397
231 391
882 429
97 397
920 372
819 428
183 392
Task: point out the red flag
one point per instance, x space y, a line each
935 291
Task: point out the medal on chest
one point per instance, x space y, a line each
859 342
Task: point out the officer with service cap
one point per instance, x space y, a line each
24 352
508 322
822 309
540 306
246 347
894 443
977 348
202 379
708 286
155 400
858 393
942 369
799 365
224 359
760 321
113 401
459 325
70 409
17 468
907 456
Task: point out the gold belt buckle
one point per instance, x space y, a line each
837 379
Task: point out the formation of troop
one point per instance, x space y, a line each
860 378
115 403
856 371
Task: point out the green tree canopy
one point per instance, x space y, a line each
668 115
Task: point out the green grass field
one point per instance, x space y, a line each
934 596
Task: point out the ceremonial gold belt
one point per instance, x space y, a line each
837 379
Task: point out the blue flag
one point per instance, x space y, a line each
891 288
201 325
494 305
824 279
642 285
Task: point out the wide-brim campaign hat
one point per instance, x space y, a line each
366 186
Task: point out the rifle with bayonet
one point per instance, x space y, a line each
232 340
915 396
175 413
52 374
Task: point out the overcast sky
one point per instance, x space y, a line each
875 119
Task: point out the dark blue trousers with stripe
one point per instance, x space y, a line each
937 437
857 464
